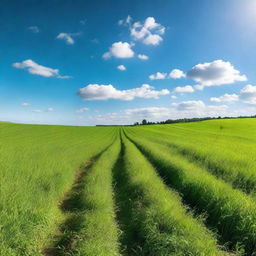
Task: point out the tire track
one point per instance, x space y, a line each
72 206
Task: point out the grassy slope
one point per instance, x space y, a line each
230 211
201 160
225 147
37 167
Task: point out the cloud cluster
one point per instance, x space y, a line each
36 69
105 92
247 95
225 98
119 50
149 32
214 73
158 76
185 109
174 74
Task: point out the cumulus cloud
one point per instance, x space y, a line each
184 89
158 76
121 67
42 111
176 74
25 104
197 108
142 57
82 110
225 98
119 50
148 32
36 69
34 29
248 94
214 73
105 92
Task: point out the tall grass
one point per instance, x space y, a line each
156 218
99 232
230 211
37 167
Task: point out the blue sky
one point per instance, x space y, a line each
117 62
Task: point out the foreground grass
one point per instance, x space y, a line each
98 234
152 216
37 167
230 211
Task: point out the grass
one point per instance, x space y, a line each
37 167
162 190
225 148
153 217
230 211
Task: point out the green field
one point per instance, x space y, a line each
155 190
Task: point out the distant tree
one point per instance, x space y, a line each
136 123
144 121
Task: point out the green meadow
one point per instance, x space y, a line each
155 190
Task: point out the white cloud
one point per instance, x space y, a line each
119 50
189 105
42 111
82 110
25 104
36 69
176 74
179 110
153 39
126 21
198 87
225 98
149 112
174 97
121 67
149 32
68 37
158 76
197 108
215 73
184 89
34 29
248 94
142 56
105 92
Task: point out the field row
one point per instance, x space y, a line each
151 190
